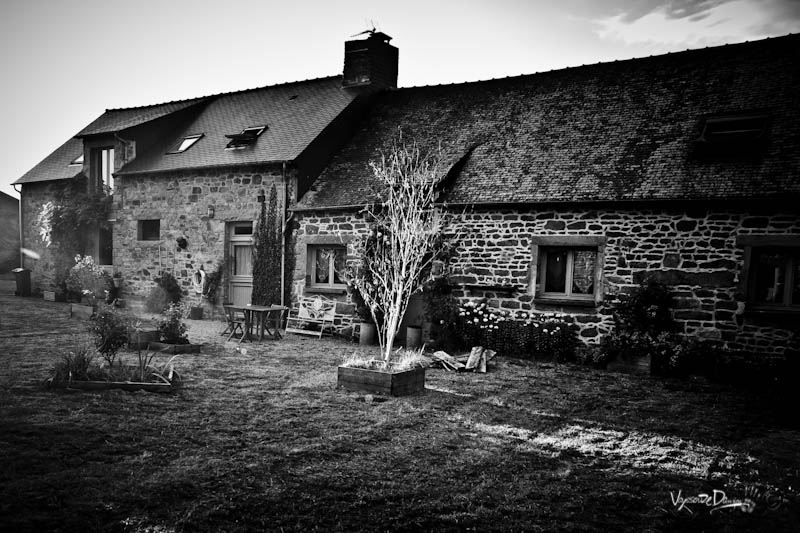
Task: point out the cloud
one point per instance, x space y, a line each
665 25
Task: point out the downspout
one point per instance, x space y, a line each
19 210
283 238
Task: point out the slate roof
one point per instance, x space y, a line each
620 131
56 166
294 113
114 120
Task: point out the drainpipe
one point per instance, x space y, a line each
19 209
283 238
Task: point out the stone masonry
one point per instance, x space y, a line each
693 250
181 201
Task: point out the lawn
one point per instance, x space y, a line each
260 439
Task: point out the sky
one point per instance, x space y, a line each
63 62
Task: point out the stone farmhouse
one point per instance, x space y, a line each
568 186
574 185
194 171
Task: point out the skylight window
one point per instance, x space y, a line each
78 160
186 143
734 128
733 136
244 139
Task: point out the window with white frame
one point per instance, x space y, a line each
326 264
771 272
567 268
102 168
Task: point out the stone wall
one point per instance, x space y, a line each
181 201
693 251
32 198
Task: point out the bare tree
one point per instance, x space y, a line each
405 239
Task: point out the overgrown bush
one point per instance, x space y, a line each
87 278
110 333
644 327
74 364
442 312
171 328
167 291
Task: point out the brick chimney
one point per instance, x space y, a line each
370 62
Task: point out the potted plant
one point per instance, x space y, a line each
117 279
368 333
172 333
90 281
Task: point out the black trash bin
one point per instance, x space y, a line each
23 276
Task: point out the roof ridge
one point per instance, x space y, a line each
609 62
227 93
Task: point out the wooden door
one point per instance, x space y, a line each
240 254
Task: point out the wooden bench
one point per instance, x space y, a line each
317 315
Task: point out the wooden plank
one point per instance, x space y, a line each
474 357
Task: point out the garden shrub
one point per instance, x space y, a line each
74 364
86 278
442 312
644 327
517 334
171 328
591 355
167 291
110 333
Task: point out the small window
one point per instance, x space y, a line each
246 138
243 228
326 266
567 272
772 272
567 269
77 161
186 143
148 230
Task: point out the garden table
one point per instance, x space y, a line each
266 318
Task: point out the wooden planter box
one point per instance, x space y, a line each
163 347
53 296
382 382
81 311
108 385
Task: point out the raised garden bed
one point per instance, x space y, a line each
391 383
81 311
54 296
108 385
163 347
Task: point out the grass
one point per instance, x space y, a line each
259 438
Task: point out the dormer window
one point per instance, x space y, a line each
185 143
244 139
77 161
733 135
